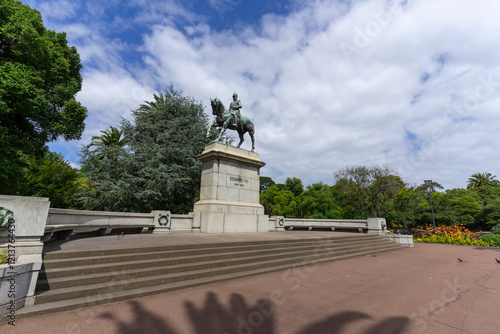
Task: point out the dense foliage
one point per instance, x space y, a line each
4 257
39 78
153 166
373 189
492 239
53 177
362 192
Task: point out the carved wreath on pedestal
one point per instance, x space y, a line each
164 220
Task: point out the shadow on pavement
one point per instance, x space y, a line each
339 322
239 317
143 322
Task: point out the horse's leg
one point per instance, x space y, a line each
222 131
240 133
253 139
251 131
210 128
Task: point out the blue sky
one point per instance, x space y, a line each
413 84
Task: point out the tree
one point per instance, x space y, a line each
39 78
490 214
157 169
466 204
433 186
482 179
51 176
294 185
109 137
412 204
279 202
319 201
490 211
265 183
375 190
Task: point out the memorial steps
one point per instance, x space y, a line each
70 280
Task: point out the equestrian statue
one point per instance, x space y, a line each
231 119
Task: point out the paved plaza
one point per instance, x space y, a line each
424 289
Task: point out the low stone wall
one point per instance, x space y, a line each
165 222
355 225
64 223
400 239
370 225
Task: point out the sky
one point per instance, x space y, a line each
412 84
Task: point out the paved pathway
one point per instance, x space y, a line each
424 289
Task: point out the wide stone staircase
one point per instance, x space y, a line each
70 280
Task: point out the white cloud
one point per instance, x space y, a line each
328 85
59 9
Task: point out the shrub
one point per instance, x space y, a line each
496 229
4 257
456 235
494 238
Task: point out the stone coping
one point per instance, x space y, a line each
218 150
98 213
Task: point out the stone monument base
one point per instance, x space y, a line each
229 194
230 217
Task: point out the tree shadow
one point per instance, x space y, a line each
213 317
239 317
339 322
495 249
143 322
335 323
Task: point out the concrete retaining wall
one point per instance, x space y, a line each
400 239
355 225
64 223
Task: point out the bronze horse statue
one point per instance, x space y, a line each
242 125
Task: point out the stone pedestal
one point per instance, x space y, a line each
22 241
376 225
30 216
229 194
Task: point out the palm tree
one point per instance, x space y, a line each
482 179
110 137
430 187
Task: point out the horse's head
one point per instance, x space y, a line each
216 106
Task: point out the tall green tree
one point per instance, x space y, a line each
39 78
375 190
412 203
466 204
294 185
490 215
482 179
265 183
490 210
53 177
110 137
157 169
320 201
279 202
